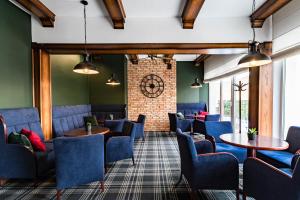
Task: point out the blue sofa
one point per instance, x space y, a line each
283 159
191 108
16 161
67 118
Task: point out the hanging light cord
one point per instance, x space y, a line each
85 41
253 10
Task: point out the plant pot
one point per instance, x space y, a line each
251 136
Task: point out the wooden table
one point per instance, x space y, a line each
83 132
260 143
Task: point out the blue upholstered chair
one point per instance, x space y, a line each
213 131
119 145
212 117
16 161
208 170
264 181
114 125
199 127
283 159
139 124
183 124
79 160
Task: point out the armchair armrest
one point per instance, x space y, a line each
118 142
294 160
16 161
204 146
212 140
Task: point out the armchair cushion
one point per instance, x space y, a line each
35 140
283 158
16 138
239 153
215 129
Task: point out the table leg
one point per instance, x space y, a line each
251 153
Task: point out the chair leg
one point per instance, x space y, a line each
237 194
58 194
244 196
193 195
144 138
180 178
133 160
102 186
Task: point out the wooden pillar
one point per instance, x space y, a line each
42 97
261 96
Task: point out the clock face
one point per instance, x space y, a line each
152 86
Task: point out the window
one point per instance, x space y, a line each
226 94
214 97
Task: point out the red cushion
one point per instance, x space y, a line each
35 140
204 113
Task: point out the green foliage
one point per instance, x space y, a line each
252 131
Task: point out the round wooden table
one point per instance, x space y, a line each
83 132
260 143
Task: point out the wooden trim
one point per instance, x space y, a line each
134 58
253 97
42 89
200 59
267 9
168 59
117 13
190 13
37 8
142 48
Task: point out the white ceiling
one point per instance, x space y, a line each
154 8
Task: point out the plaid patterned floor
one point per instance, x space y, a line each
156 171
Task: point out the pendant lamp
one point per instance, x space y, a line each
196 84
85 67
254 57
113 81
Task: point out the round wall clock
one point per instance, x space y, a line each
152 86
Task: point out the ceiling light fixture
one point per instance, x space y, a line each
85 67
196 84
113 81
254 57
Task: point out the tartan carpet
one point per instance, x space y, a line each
156 171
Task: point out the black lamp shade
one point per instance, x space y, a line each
112 81
254 57
85 67
196 84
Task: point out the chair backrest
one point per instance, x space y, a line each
141 119
102 112
79 160
128 129
18 118
214 117
173 121
187 149
67 118
199 127
293 138
216 129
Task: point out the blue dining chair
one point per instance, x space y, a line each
79 160
207 170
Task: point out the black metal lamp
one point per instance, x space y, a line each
254 57
113 81
196 84
85 67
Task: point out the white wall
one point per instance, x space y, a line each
148 30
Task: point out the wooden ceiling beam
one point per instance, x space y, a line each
134 58
200 59
267 9
117 13
190 13
37 8
146 48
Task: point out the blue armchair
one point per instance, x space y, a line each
183 124
199 127
79 160
16 161
212 117
213 131
139 124
208 170
114 125
264 181
282 159
119 145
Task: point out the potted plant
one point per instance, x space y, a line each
252 132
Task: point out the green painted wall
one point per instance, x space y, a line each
186 74
68 87
15 56
100 93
